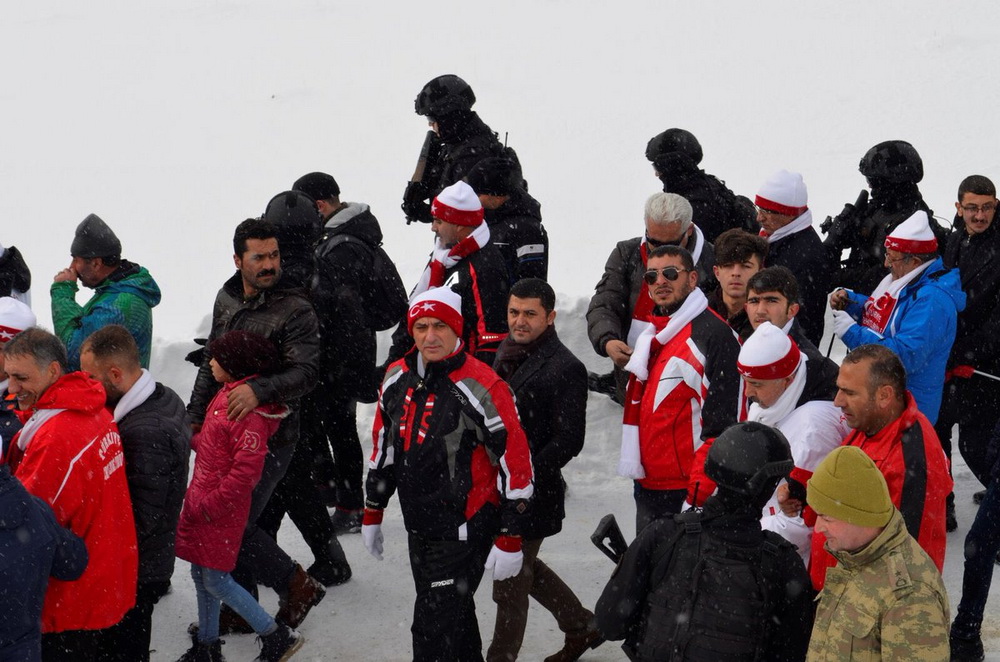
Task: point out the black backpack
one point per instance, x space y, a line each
711 600
384 297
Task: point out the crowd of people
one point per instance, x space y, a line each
764 473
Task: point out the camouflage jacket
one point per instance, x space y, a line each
885 602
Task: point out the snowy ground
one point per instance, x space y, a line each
369 617
176 119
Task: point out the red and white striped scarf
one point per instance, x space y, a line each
443 258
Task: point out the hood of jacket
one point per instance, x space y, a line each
520 205
74 391
130 278
948 281
356 219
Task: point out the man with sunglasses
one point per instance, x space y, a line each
970 399
620 307
913 311
683 390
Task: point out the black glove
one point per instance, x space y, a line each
197 357
414 203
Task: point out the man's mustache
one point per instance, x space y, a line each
267 272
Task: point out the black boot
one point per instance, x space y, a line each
950 518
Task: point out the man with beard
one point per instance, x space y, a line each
124 292
465 260
683 390
621 306
156 440
254 299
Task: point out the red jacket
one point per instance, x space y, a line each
74 461
229 461
691 396
909 455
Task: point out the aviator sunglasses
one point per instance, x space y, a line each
670 273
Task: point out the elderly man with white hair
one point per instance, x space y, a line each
621 307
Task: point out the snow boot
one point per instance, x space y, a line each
303 593
200 652
280 645
577 643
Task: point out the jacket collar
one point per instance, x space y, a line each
893 535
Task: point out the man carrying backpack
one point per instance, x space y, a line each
353 301
711 585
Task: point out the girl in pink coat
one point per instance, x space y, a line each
229 461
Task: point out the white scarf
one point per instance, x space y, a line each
446 257
881 305
785 404
630 458
695 304
803 221
37 420
135 396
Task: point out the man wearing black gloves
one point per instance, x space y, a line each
457 141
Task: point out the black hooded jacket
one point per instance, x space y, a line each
516 229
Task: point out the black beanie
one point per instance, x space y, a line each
494 176
317 185
242 353
95 239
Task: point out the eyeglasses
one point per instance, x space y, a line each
767 212
989 207
670 273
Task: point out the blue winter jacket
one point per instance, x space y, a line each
32 547
920 331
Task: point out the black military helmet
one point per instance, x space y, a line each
444 95
674 140
749 459
892 162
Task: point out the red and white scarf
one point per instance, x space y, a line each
643 310
882 303
654 337
443 258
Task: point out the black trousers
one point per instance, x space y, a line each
82 646
653 504
446 574
297 496
330 423
261 560
134 630
974 404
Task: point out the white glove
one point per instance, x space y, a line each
504 564
371 534
842 322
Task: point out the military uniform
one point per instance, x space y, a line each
886 601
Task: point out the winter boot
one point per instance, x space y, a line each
229 623
577 643
200 652
967 650
346 521
331 567
303 593
950 518
280 645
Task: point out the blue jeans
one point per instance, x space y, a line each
214 587
981 547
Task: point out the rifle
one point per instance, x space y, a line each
607 529
417 190
843 230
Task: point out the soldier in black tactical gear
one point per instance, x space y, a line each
675 155
893 168
710 585
457 141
